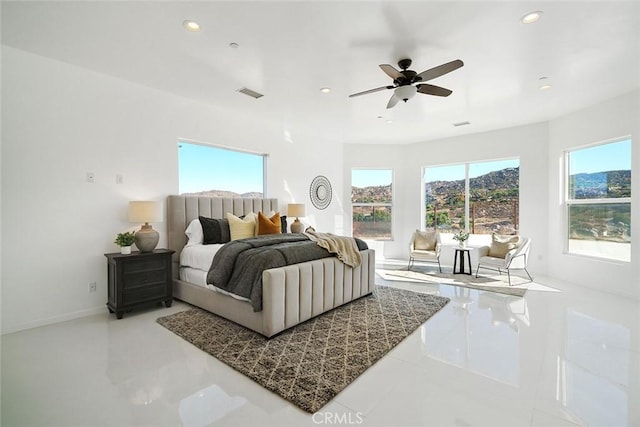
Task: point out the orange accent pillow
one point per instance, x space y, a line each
268 225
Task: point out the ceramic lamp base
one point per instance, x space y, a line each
147 238
297 226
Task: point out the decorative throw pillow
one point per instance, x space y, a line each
425 240
283 223
500 245
268 225
241 228
255 218
215 230
194 233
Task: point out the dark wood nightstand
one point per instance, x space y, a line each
139 278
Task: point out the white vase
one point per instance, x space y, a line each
462 244
125 250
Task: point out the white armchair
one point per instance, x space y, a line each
425 246
515 259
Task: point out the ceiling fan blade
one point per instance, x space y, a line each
393 101
439 70
391 71
433 90
371 91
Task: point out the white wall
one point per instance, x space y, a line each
528 143
60 122
615 118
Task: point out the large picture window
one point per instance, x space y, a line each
372 202
598 200
481 197
206 170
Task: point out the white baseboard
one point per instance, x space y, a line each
51 320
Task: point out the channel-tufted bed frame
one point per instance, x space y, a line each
291 294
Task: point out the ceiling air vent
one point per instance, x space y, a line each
461 124
251 93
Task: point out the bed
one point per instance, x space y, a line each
291 294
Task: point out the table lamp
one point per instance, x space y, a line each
297 210
146 238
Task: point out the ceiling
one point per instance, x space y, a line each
589 52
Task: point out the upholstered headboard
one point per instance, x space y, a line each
181 210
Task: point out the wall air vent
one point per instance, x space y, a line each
251 93
461 124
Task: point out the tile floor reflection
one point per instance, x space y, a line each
562 358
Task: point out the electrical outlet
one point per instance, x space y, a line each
93 287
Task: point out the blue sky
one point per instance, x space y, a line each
371 177
456 172
607 157
203 167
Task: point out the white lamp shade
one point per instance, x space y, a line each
145 212
405 92
295 209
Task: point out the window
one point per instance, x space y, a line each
482 197
372 201
598 200
206 170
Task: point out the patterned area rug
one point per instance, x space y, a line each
311 363
497 284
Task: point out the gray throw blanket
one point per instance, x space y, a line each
237 267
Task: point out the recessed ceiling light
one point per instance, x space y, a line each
531 17
389 121
191 25
234 45
325 90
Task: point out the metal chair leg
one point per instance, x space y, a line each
526 271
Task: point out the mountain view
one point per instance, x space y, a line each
610 221
601 185
494 201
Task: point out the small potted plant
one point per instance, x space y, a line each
461 237
125 240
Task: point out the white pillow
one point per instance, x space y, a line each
241 228
194 233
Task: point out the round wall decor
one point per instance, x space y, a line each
320 192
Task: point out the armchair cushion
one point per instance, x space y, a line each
501 245
425 240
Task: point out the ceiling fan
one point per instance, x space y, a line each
403 81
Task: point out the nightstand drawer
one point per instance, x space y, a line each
143 278
143 265
144 294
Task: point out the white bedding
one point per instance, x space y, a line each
195 262
198 256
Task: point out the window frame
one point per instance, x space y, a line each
467 191
568 202
374 205
264 156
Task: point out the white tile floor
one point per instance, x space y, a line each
549 359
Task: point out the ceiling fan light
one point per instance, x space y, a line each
405 92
